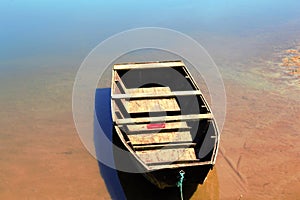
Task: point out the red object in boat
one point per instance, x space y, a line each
159 125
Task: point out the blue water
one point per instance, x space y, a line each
36 32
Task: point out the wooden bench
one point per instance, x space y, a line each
166 155
142 128
151 105
161 137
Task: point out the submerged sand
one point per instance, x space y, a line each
42 157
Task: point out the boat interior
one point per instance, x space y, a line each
161 115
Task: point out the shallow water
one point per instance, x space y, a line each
44 43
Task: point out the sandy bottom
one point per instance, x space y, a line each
259 155
41 156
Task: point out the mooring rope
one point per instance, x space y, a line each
180 182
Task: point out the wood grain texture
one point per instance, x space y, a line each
167 155
147 65
142 128
162 137
151 105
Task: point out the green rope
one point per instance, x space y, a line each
180 182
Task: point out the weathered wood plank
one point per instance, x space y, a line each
142 128
162 137
174 163
161 95
147 65
166 155
164 146
164 119
150 90
162 165
152 105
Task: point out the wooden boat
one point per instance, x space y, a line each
163 120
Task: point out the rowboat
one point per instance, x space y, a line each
164 122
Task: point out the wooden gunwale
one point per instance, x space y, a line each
164 146
147 65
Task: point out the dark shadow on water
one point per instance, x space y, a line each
123 185
103 147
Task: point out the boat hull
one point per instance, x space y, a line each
163 120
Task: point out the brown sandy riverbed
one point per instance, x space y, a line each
42 157
260 142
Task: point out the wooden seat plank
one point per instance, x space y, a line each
164 146
166 155
162 137
162 165
173 163
150 90
147 65
142 128
151 105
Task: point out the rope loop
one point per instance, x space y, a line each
180 182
